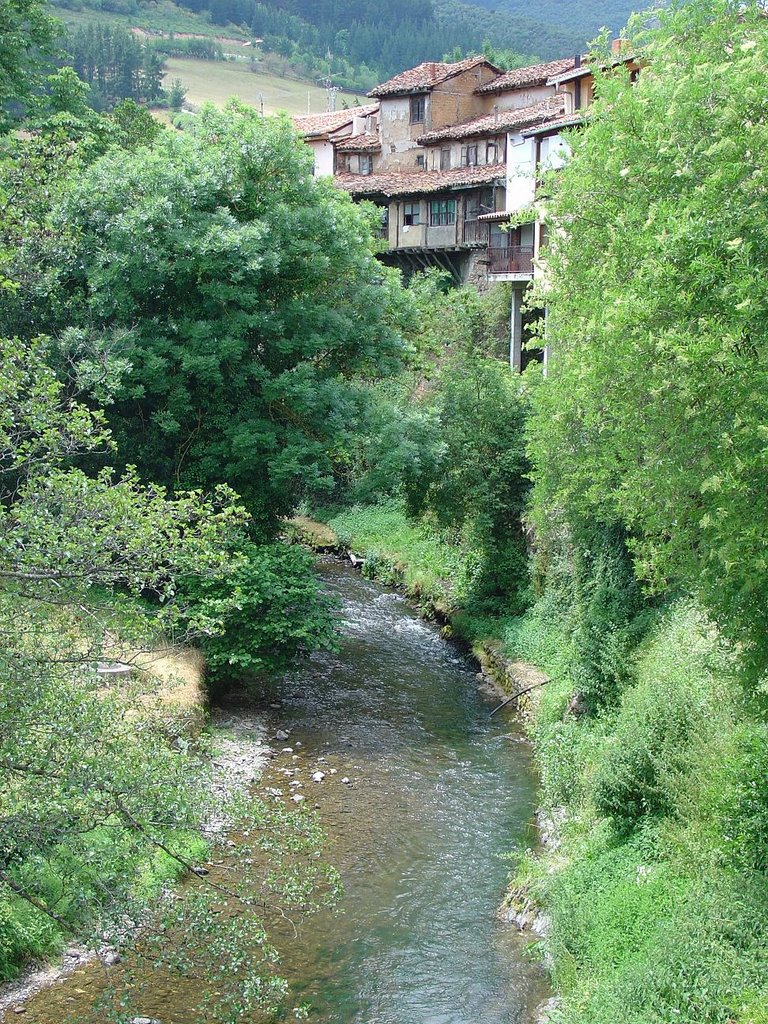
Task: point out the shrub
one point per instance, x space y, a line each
269 612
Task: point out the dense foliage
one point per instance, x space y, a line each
657 392
262 616
647 443
102 800
116 64
27 38
241 292
446 440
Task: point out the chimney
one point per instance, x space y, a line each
618 45
577 61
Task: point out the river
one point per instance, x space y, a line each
437 794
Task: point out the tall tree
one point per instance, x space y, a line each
654 413
27 43
245 293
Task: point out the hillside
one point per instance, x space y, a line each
357 43
583 17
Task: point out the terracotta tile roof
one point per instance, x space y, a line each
498 215
367 142
567 121
419 181
322 124
499 122
535 74
585 69
426 76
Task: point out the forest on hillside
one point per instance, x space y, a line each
365 42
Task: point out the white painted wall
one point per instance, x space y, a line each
323 158
554 152
521 172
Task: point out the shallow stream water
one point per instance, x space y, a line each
438 792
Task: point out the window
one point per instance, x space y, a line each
384 227
445 159
442 212
366 164
418 109
479 202
491 153
469 156
420 160
411 214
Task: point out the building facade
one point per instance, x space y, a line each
452 154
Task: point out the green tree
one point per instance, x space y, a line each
27 43
176 94
654 413
135 125
246 294
98 801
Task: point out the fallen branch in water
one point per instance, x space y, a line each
519 693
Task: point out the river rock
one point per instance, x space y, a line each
287 750
318 776
297 798
144 1020
201 871
281 734
346 781
109 957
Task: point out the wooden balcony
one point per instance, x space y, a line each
512 259
475 233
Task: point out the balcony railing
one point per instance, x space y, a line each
475 232
512 259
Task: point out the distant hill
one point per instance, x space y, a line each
355 44
582 18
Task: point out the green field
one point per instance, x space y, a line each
162 17
218 80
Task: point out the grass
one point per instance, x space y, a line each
161 17
400 551
217 81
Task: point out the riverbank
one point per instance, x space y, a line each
388 744
407 558
653 761
173 685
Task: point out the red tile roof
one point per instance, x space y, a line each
427 76
322 124
535 74
419 181
499 122
367 142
